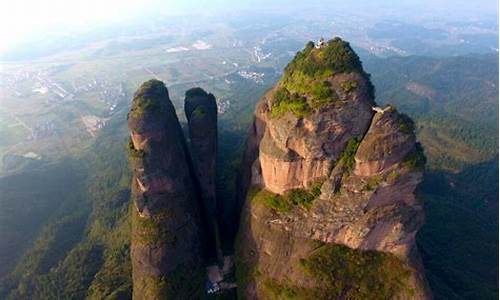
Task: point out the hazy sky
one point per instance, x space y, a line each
20 18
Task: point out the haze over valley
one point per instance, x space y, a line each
65 95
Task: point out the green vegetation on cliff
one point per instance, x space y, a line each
406 123
415 160
336 56
335 271
355 274
306 84
150 97
291 199
347 157
349 85
185 282
285 101
322 94
134 153
150 230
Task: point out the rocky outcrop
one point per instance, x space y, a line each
327 190
297 151
167 240
328 179
201 113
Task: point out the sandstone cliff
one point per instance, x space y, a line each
167 239
330 210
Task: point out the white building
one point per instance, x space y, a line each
321 42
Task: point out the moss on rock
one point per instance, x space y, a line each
150 97
406 124
274 289
347 157
284 102
185 282
415 160
349 85
287 202
134 153
305 84
151 230
335 57
355 274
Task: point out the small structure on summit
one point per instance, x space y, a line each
321 43
380 109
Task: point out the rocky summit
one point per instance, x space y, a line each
167 244
329 179
174 249
326 191
201 113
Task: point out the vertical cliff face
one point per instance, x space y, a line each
295 151
327 190
201 113
167 240
330 209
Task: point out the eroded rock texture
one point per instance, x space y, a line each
296 151
330 210
167 238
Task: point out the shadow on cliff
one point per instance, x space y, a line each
459 242
228 168
246 258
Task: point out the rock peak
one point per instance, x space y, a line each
319 78
167 220
335 55
198 99
328 177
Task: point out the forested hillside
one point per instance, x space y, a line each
454 101
76 231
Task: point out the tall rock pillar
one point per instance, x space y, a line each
167 239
